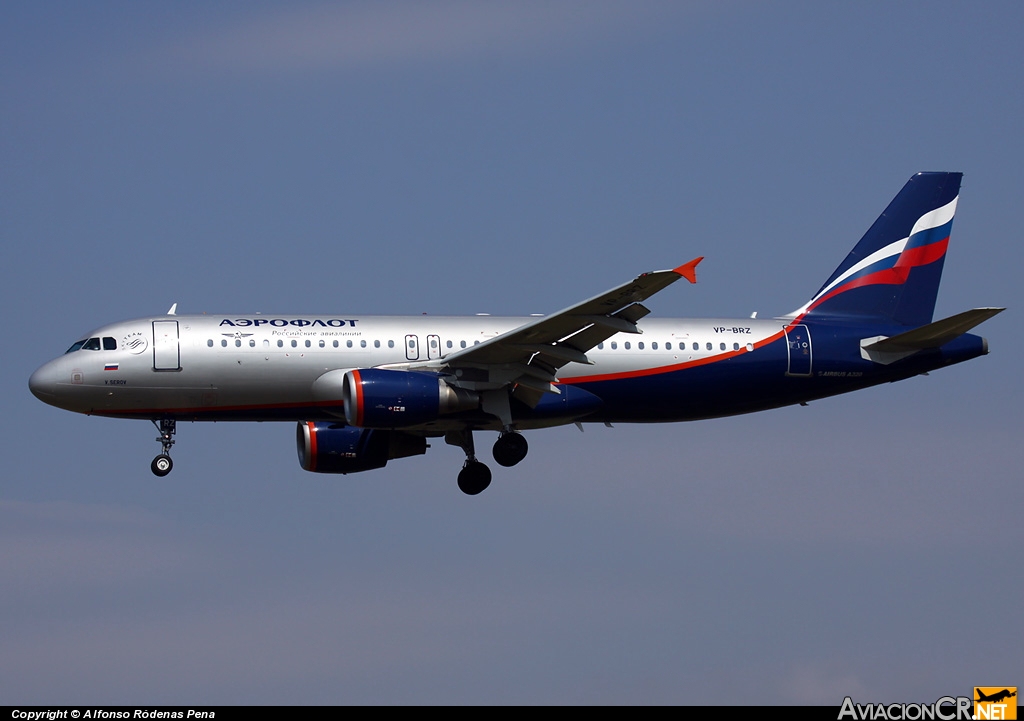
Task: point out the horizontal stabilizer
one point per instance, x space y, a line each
887 350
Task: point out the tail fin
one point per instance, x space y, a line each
893 273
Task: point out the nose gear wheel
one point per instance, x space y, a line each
163 464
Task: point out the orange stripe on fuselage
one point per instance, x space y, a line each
674 367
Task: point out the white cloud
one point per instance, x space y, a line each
358 34
820 687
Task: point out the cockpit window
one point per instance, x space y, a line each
92 344
78 344
109 344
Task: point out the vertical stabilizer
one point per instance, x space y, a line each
893 273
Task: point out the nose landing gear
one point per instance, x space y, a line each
163 464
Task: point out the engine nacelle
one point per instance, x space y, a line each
335 448
377 398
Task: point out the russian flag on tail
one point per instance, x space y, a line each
893 273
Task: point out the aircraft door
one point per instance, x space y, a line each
798 342
433 347
166 354
412 347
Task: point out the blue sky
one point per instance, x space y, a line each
462 157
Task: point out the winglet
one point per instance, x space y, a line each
689 270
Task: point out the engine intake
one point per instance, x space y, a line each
376 398
335 448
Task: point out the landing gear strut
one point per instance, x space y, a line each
510 448
474 476
163 464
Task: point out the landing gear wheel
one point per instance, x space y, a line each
161 465
474 478
509 449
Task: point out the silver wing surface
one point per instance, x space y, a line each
529 356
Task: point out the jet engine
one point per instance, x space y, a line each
337 448
376 398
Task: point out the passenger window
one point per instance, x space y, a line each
224 343
391 344
210 343
654 345
280 344
626 345
308 344
462 344
668 346
238 343
252 343
710 346
92 344
322 344
362 344
640 345
266 343
433 343
376 344
348 344
295 344
735 346
412 343
449 344
109 344
335 344
721 346
695 346
615 345
600 346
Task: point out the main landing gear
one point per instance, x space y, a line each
509 449
163 464
474 477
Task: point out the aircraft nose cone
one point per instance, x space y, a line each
43 384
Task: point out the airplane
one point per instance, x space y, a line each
996 697
365 390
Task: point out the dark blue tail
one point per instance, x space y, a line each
893 273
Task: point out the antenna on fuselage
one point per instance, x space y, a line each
173 309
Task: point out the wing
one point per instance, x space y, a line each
529 356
